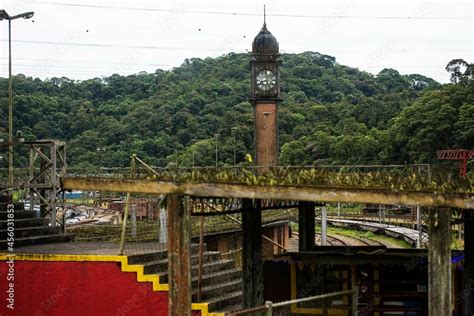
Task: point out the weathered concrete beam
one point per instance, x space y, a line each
119 185
439 262
300 193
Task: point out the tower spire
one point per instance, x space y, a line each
264 17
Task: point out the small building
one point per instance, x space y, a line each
390 281
146 209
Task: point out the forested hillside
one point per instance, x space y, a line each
331 114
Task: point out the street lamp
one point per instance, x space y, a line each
217 148
233 129
5 16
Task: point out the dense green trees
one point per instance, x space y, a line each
331 113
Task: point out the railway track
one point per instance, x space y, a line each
332 241
345 240
342 240
411 236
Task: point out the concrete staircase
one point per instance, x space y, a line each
221 281
28 229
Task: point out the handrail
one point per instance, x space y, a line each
317 297
269 306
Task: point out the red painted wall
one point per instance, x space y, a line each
78 288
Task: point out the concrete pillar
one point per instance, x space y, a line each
324 225
468 292
179 255
419 227
439 262
306 226
163 226
252 262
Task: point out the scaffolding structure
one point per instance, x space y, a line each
40 179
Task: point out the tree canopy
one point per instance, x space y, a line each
331 113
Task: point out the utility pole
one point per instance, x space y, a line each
233 129
5 16
193 141
10 107
100 152
217 149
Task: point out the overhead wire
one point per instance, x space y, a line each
31 67
127 63
87 61
397 50
171 48
98 6
114 45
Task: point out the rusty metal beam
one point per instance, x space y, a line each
439 262
301 193
179 255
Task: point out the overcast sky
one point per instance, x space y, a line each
87 39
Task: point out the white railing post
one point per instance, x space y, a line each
269 306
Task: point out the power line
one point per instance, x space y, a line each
76 72
258 14
414 66
87 62
113 45
398 50
36 66
151 64
166 65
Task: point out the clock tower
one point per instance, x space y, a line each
265 94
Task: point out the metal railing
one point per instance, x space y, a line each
344 302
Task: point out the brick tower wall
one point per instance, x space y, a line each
266 144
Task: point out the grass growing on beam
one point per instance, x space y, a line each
396 179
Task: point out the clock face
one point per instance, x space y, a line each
265 80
